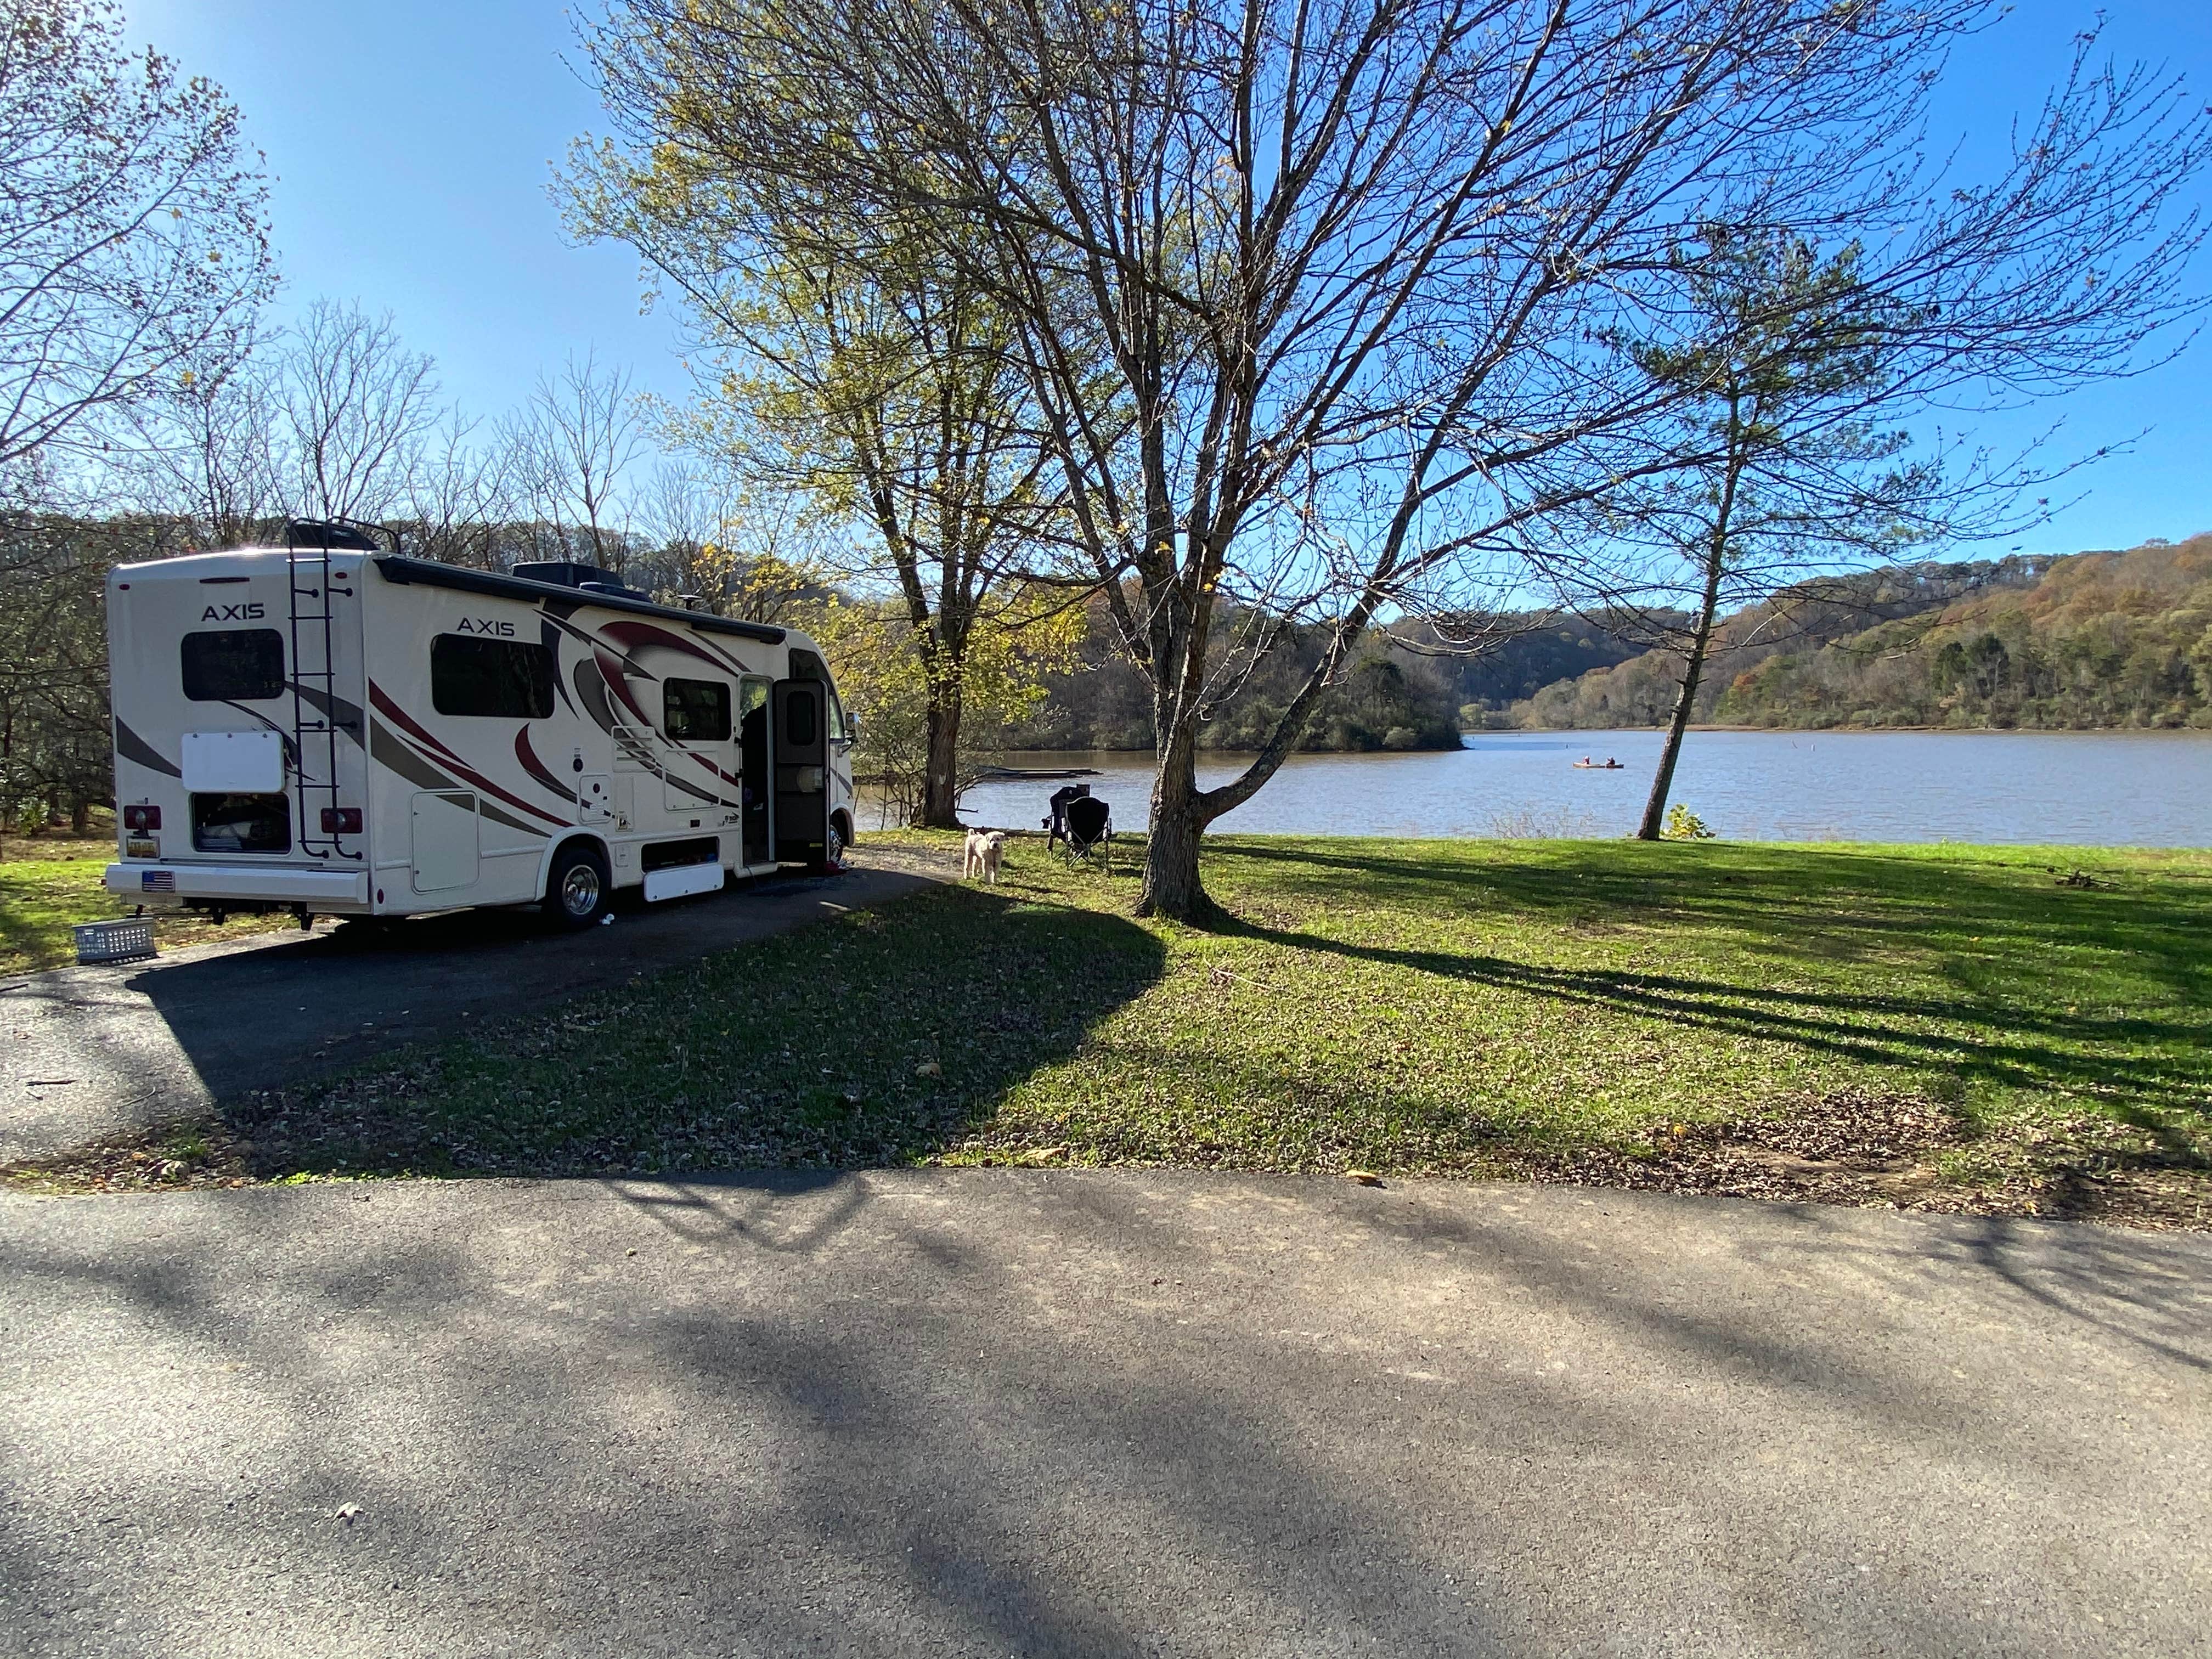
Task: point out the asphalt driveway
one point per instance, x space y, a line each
992 1411
88 1051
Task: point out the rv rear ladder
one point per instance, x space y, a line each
314 688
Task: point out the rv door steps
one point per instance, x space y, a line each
683 881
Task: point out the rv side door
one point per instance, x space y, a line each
802 771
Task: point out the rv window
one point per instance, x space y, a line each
837 716
237 665
799 722
696 711
241 823
499 679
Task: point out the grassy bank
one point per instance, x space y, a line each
49 884
2006 1029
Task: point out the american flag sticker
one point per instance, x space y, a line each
157 881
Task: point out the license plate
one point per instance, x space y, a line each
141 850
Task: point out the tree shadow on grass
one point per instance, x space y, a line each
1788 901
2014 1043
876 1038
1879 1031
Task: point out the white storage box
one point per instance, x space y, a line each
234 762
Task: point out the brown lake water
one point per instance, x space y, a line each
2106 789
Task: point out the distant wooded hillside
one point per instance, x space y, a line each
1397 696
2091 640
2094 639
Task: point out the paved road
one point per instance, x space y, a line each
998 1412
87 1051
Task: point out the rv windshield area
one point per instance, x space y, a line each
241 823
232 665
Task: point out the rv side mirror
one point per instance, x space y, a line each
851 728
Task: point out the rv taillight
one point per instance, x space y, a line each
142 818
341 820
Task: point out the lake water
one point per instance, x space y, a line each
2120 789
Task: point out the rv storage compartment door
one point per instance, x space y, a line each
234 762
802 771
445 840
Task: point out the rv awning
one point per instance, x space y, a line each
395 567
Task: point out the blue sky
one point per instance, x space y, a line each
410 144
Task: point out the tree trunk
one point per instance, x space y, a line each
1655 808
1708 605
1172 889
939 808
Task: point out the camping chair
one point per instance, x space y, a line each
1090 832
1056 825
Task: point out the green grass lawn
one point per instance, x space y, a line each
49 885
2017 1030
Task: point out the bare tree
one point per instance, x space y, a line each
333 417
686 514
581 433
460 491
207 449
133 242
356 406
1351 264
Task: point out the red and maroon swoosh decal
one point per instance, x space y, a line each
400 717
639 634
708 762
406 723
592 643
394 755
618 682
536 768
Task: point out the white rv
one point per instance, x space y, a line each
329 729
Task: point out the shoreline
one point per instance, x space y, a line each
1768 730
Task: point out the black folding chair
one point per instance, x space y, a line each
1089 833
1055 826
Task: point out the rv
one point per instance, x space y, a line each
333 728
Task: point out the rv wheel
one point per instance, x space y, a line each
833 849
576 892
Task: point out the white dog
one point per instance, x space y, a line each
985 848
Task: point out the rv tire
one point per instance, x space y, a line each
578 888
833 848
